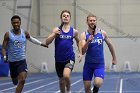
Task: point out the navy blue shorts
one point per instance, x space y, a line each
93 69
17 67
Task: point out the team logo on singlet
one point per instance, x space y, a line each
99 41
17 44
65 36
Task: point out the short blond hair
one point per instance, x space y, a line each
90 15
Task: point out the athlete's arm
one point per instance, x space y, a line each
34 40
52 36
4 44
78 45
84 44
76 38
111 48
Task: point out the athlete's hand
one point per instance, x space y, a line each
44 45
57 31
114 61
5 59
90 38
80 57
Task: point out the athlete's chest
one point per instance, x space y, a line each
98 39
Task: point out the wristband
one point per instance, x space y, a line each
4 58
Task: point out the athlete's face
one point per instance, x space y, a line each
16 24
91 21
65 17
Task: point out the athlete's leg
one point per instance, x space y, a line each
98 80
87 86
62 84
13 72
22 74
66 74
59 69
21 78
87 77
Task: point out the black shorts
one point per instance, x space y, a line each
17 67
61 65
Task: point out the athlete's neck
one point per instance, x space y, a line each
90 30
66 27
16 31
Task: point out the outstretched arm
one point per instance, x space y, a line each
34 40
111 48
6 37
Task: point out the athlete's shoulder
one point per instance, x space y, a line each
6 34
83 35
99 30
75 31
104 32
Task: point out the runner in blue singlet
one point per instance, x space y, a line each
64 54
92 44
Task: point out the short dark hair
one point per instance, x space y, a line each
15 17
67 11
91 15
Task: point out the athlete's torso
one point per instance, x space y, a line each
64 46
16 46
95 51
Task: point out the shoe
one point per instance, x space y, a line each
91 88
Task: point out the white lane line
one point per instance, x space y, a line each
82 90
71 85
121 84
131 91
5 83
76 82
25 84
40 87
123 92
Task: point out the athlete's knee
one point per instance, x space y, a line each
22 75
98 82
22 82
67 77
